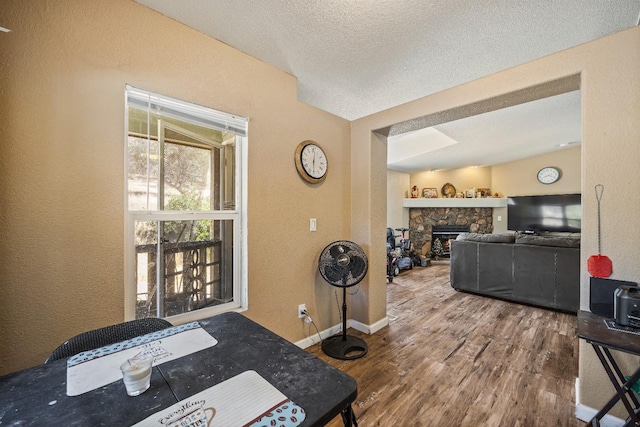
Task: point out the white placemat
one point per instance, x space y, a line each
92 369
244 400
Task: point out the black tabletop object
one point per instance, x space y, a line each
320 389
593 328
37 396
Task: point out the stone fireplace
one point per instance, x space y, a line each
452 222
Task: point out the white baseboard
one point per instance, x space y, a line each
314 339
369 329
586 413
335 329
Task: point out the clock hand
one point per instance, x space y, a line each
314 160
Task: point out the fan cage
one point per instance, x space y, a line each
343 263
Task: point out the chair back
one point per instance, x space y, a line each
108 335
391 239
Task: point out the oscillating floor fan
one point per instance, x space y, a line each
343 264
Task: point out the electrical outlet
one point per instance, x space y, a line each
302 308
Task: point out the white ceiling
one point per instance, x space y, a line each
500 136
353 58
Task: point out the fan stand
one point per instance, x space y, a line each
344 347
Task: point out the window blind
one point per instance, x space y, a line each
186 111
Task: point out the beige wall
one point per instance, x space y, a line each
608 68
515 178
398 187
463 179
519 178
64 68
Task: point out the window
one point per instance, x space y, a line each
185 193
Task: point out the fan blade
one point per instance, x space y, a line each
343 263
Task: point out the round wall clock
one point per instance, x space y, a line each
549 175
311 162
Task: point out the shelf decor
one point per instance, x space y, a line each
430 193
448 190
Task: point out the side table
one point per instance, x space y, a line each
594 330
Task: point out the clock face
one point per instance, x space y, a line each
311 162
548 175
314 161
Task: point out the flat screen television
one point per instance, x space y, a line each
549 213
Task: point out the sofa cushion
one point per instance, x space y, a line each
557 241
487 238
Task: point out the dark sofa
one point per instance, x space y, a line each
538 270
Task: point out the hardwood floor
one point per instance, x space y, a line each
450 358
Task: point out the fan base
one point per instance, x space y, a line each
344 347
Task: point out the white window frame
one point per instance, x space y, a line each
240 300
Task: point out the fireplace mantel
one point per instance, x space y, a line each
488 202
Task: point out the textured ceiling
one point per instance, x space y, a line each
354 58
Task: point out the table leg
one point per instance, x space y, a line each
623 392
349 417
626 384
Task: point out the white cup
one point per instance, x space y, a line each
136 373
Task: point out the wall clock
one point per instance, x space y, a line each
311 162
549 175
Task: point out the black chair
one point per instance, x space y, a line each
108 335
391 239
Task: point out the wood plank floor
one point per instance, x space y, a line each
450 358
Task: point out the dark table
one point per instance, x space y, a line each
37 396
593 329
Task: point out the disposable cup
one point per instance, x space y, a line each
136 374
